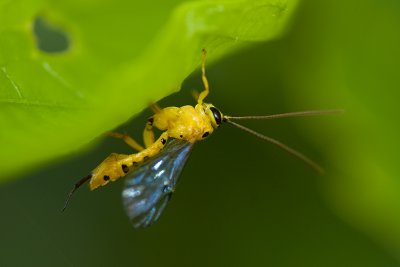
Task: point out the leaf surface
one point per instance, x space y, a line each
115 58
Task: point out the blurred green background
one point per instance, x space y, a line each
241 202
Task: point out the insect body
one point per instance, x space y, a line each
186 123
152 173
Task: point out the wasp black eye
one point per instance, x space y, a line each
217 115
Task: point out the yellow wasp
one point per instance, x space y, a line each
153 172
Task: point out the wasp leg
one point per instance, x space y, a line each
155 108
195 94
206 90
148 134
128 140
149 152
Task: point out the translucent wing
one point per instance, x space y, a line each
149 187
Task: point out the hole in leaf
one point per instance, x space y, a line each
49 38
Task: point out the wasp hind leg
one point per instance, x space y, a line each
128 140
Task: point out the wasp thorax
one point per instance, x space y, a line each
214 114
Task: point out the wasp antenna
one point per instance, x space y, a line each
287 115
76 186
290 150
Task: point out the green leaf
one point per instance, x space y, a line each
333 66
116 58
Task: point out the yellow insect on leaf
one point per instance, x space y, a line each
152 173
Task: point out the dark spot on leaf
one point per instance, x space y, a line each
106 177
49 38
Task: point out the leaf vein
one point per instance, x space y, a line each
13 83
22 101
